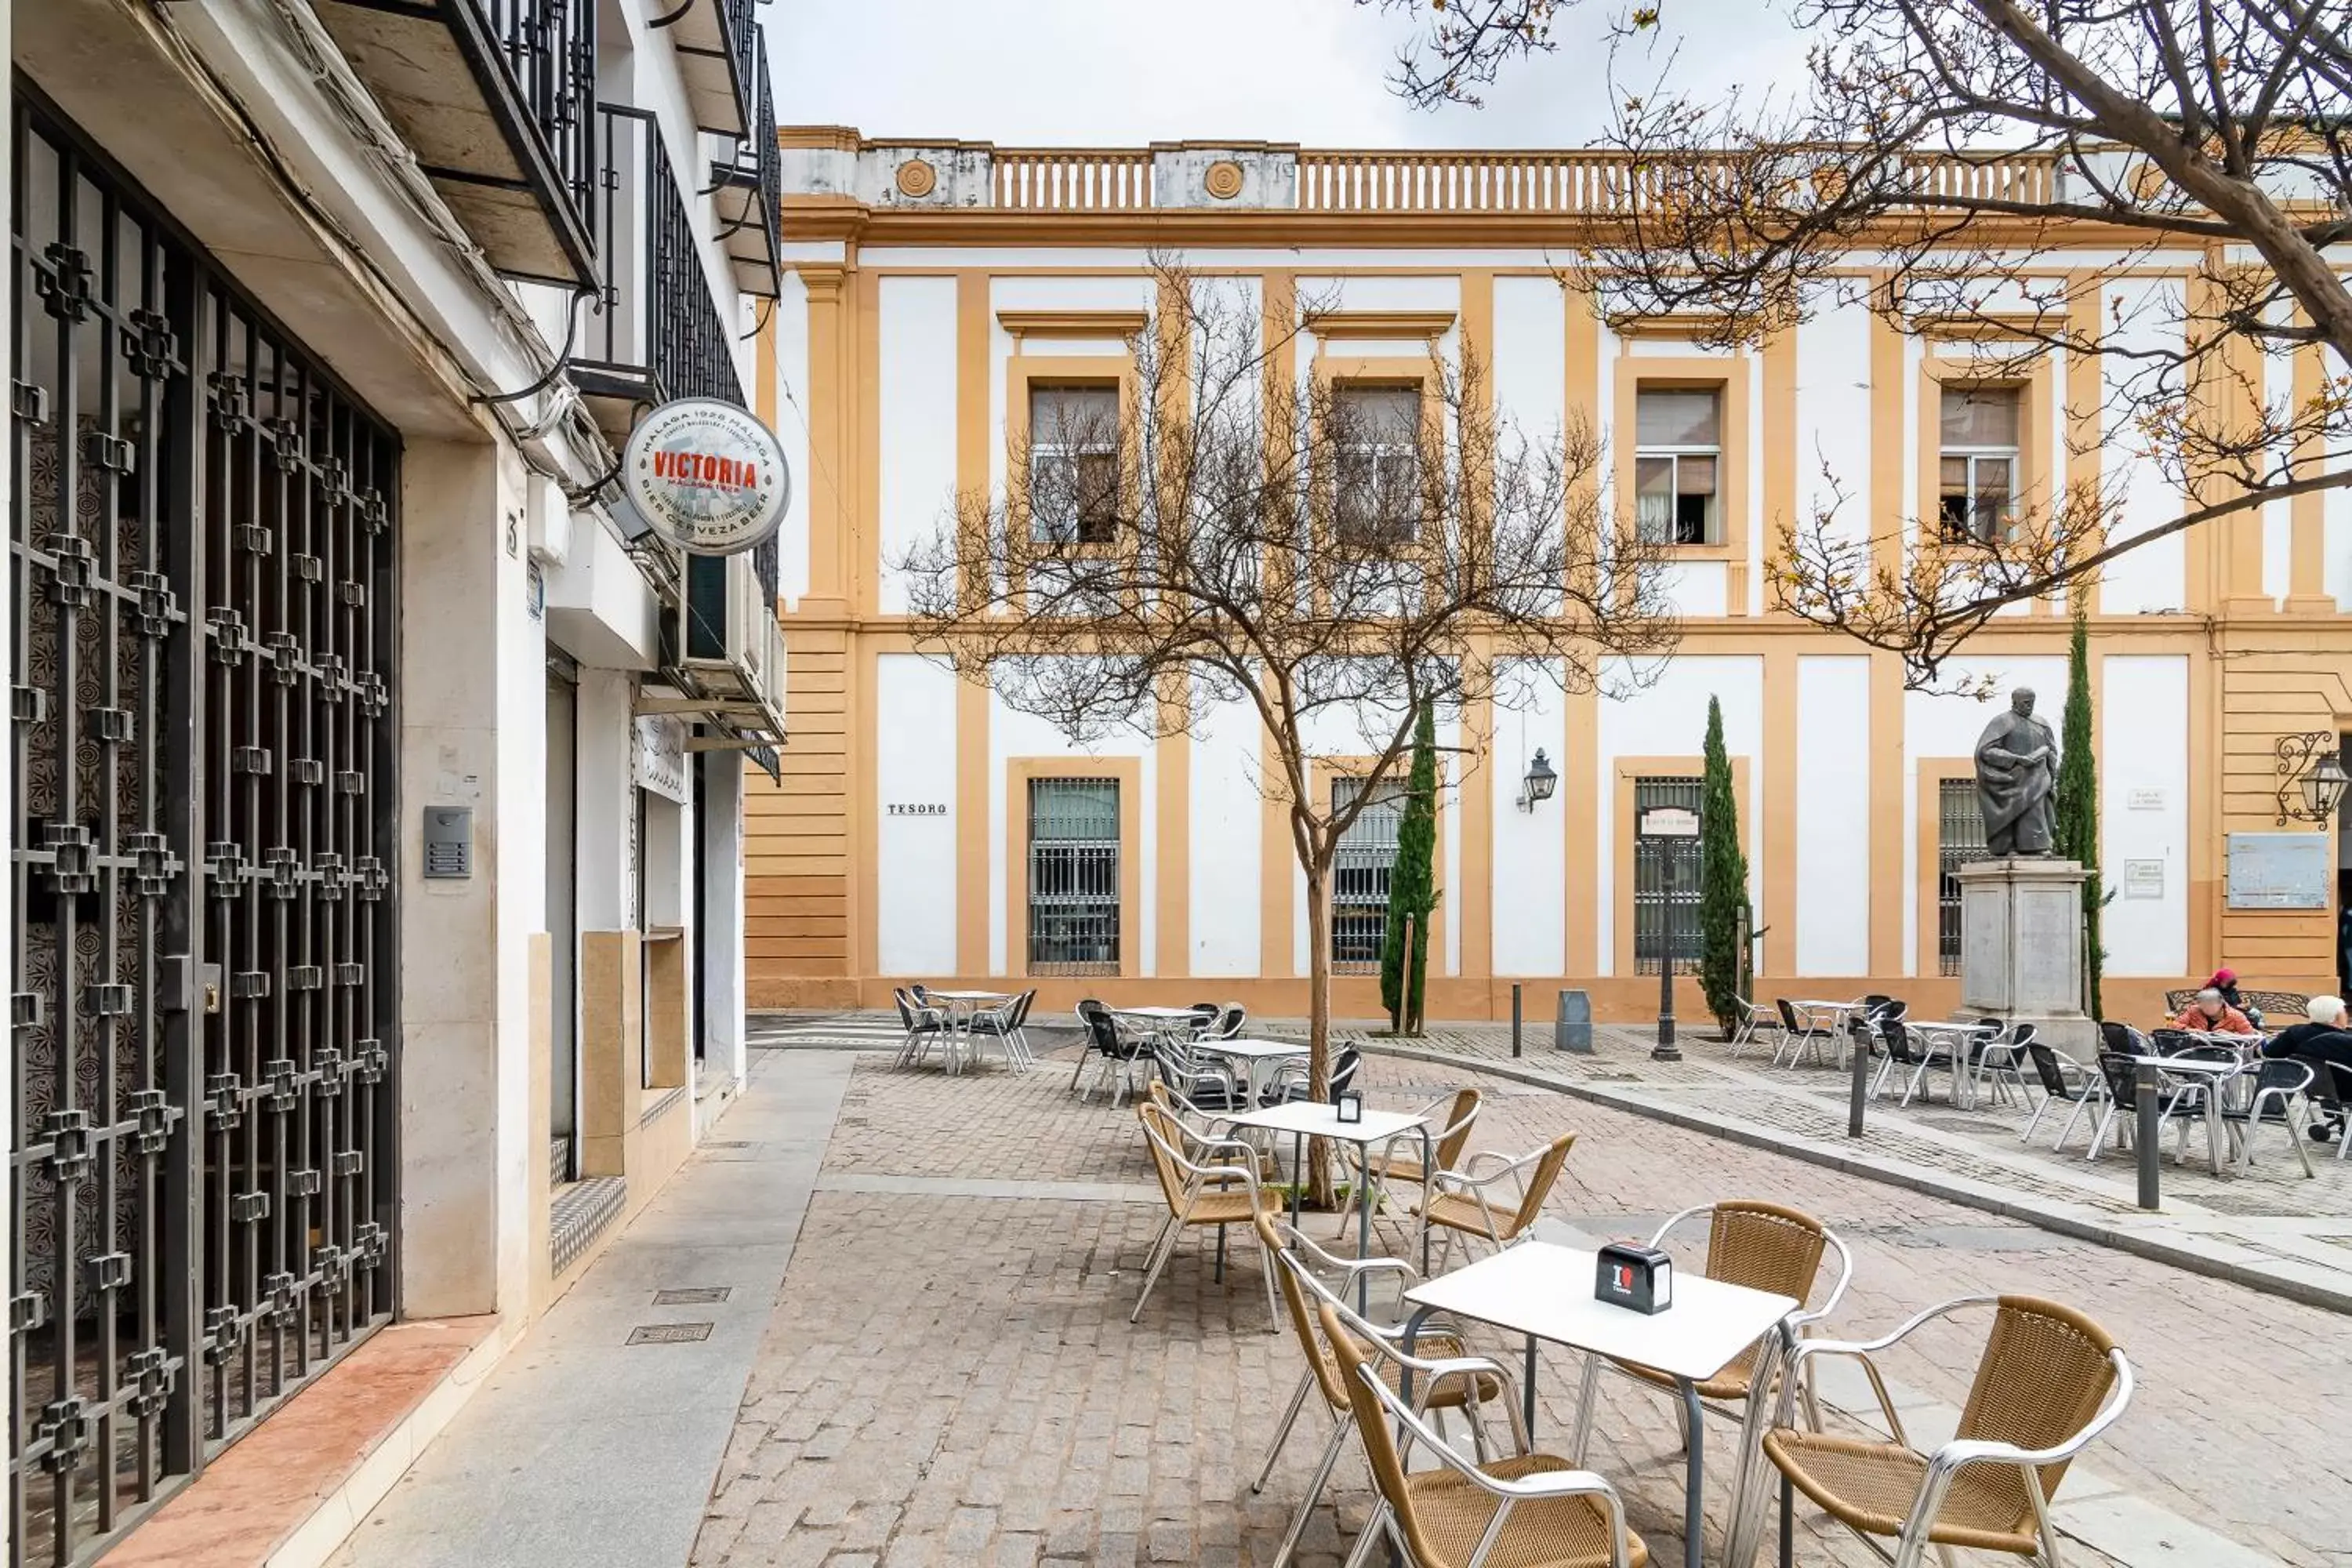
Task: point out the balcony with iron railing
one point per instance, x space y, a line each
497 99
718 49
654 331
748 189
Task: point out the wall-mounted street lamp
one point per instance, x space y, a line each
1538 783
2310 768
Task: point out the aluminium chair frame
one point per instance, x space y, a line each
1428 1370
1508 1493
1199 1178
1473 1186
1372 1169
1948 1461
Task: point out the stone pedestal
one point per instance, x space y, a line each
2021 948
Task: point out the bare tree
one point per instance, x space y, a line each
1226 531
1953 147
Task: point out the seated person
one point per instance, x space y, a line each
2225 981
2212 1015
2325 1041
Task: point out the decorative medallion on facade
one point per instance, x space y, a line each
917 178
1224 180
707 475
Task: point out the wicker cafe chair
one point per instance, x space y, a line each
1435 1387
1529 1510
1399 1160
1764 1247
2049 1381
1458 1200
1199 1192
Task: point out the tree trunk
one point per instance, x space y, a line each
1320 1193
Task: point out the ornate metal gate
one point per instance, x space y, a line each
203 985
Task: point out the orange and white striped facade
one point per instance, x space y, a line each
932 284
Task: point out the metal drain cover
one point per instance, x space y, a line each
670 1333
693 1296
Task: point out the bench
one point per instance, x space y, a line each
2269 1003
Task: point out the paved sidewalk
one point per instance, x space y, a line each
2273 1228
948 1376
585 1450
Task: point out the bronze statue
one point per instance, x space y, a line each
2017 769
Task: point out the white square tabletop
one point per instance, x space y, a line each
1157 1013
974 995
1253 1050
1317 1120
1545 1291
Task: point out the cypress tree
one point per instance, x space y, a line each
2076 798
1413 889
1722 878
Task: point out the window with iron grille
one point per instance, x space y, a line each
1073 877
1359 874
1960 838
1072 464
1651 895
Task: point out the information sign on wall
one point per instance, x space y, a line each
2280 870
2143 879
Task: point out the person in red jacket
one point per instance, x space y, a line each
2212 1015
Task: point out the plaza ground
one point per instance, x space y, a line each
924 1357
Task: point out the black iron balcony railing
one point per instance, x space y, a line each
499 99
747 189
717 42
549 47
656 331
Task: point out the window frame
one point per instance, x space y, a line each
1970 530
1042 450
1127 772
1380 452
1735 377
1625 829
1674 454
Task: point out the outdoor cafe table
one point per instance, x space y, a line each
1954 1036
967 1003
2217 1072
1250 1052
1837 1012
1543 1291
1304 1118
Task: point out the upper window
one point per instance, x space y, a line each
1976 497
1072 464
1677 464
1377 431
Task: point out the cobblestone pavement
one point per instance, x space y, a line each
950 1378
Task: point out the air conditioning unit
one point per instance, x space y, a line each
723 640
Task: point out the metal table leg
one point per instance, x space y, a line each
1297 1174
1693 1487
1528 1390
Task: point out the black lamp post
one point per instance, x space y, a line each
1665 1051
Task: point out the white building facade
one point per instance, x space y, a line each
936 290
377 934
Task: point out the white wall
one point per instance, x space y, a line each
2151 577
2144 809
793 431
1833 419
915 857
1668 718
1530 910
1227 848
719 942
1834 761
918 422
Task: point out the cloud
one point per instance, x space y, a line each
1126 72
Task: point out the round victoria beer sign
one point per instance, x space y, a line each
707 475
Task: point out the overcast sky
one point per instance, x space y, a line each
1125 72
